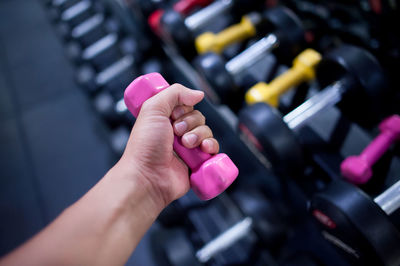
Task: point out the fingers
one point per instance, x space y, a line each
191 125
188 122
180 110
210 145
165 101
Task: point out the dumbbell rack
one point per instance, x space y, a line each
204 221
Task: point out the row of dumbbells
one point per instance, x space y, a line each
106 54
361 228
346 75
349 74
97 41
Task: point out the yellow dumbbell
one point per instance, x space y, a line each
216 42
303 70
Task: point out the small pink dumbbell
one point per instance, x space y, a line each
358 169
211 174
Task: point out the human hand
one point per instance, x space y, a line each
149 152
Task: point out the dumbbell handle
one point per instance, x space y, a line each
75 10
251 55
377 147
389 201
303 70
207 14
210 42
225 240
328 97
86 26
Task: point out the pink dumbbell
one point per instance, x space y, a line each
358 169
211 174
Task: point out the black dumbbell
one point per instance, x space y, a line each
262 218
111 109
288 36
111 106
172 247
76 14
90 31
182 30
105 52
146 7
56 7
114 77
356 79
359 227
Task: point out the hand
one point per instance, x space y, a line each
113 216
149 152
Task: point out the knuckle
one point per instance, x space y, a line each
200 116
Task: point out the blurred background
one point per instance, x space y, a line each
64 65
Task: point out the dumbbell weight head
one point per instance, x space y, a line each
289 30
365 101
268 221
261 217
174 28
211 67
173 247
357 225
263 126
211 175
183 7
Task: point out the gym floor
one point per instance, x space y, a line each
53 145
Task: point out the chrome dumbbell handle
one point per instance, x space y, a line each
205 15
251 55
225 240
114 70
86 26
75 10
99 46
389 201
326 98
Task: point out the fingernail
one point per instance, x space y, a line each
181 127
190 139
178 112
208 143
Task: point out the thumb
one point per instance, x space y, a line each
175 95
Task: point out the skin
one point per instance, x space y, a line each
107 223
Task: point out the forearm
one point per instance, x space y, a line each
103 227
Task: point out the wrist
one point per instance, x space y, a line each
141 191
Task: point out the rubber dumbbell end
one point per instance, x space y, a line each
213 176
356 170
135 95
